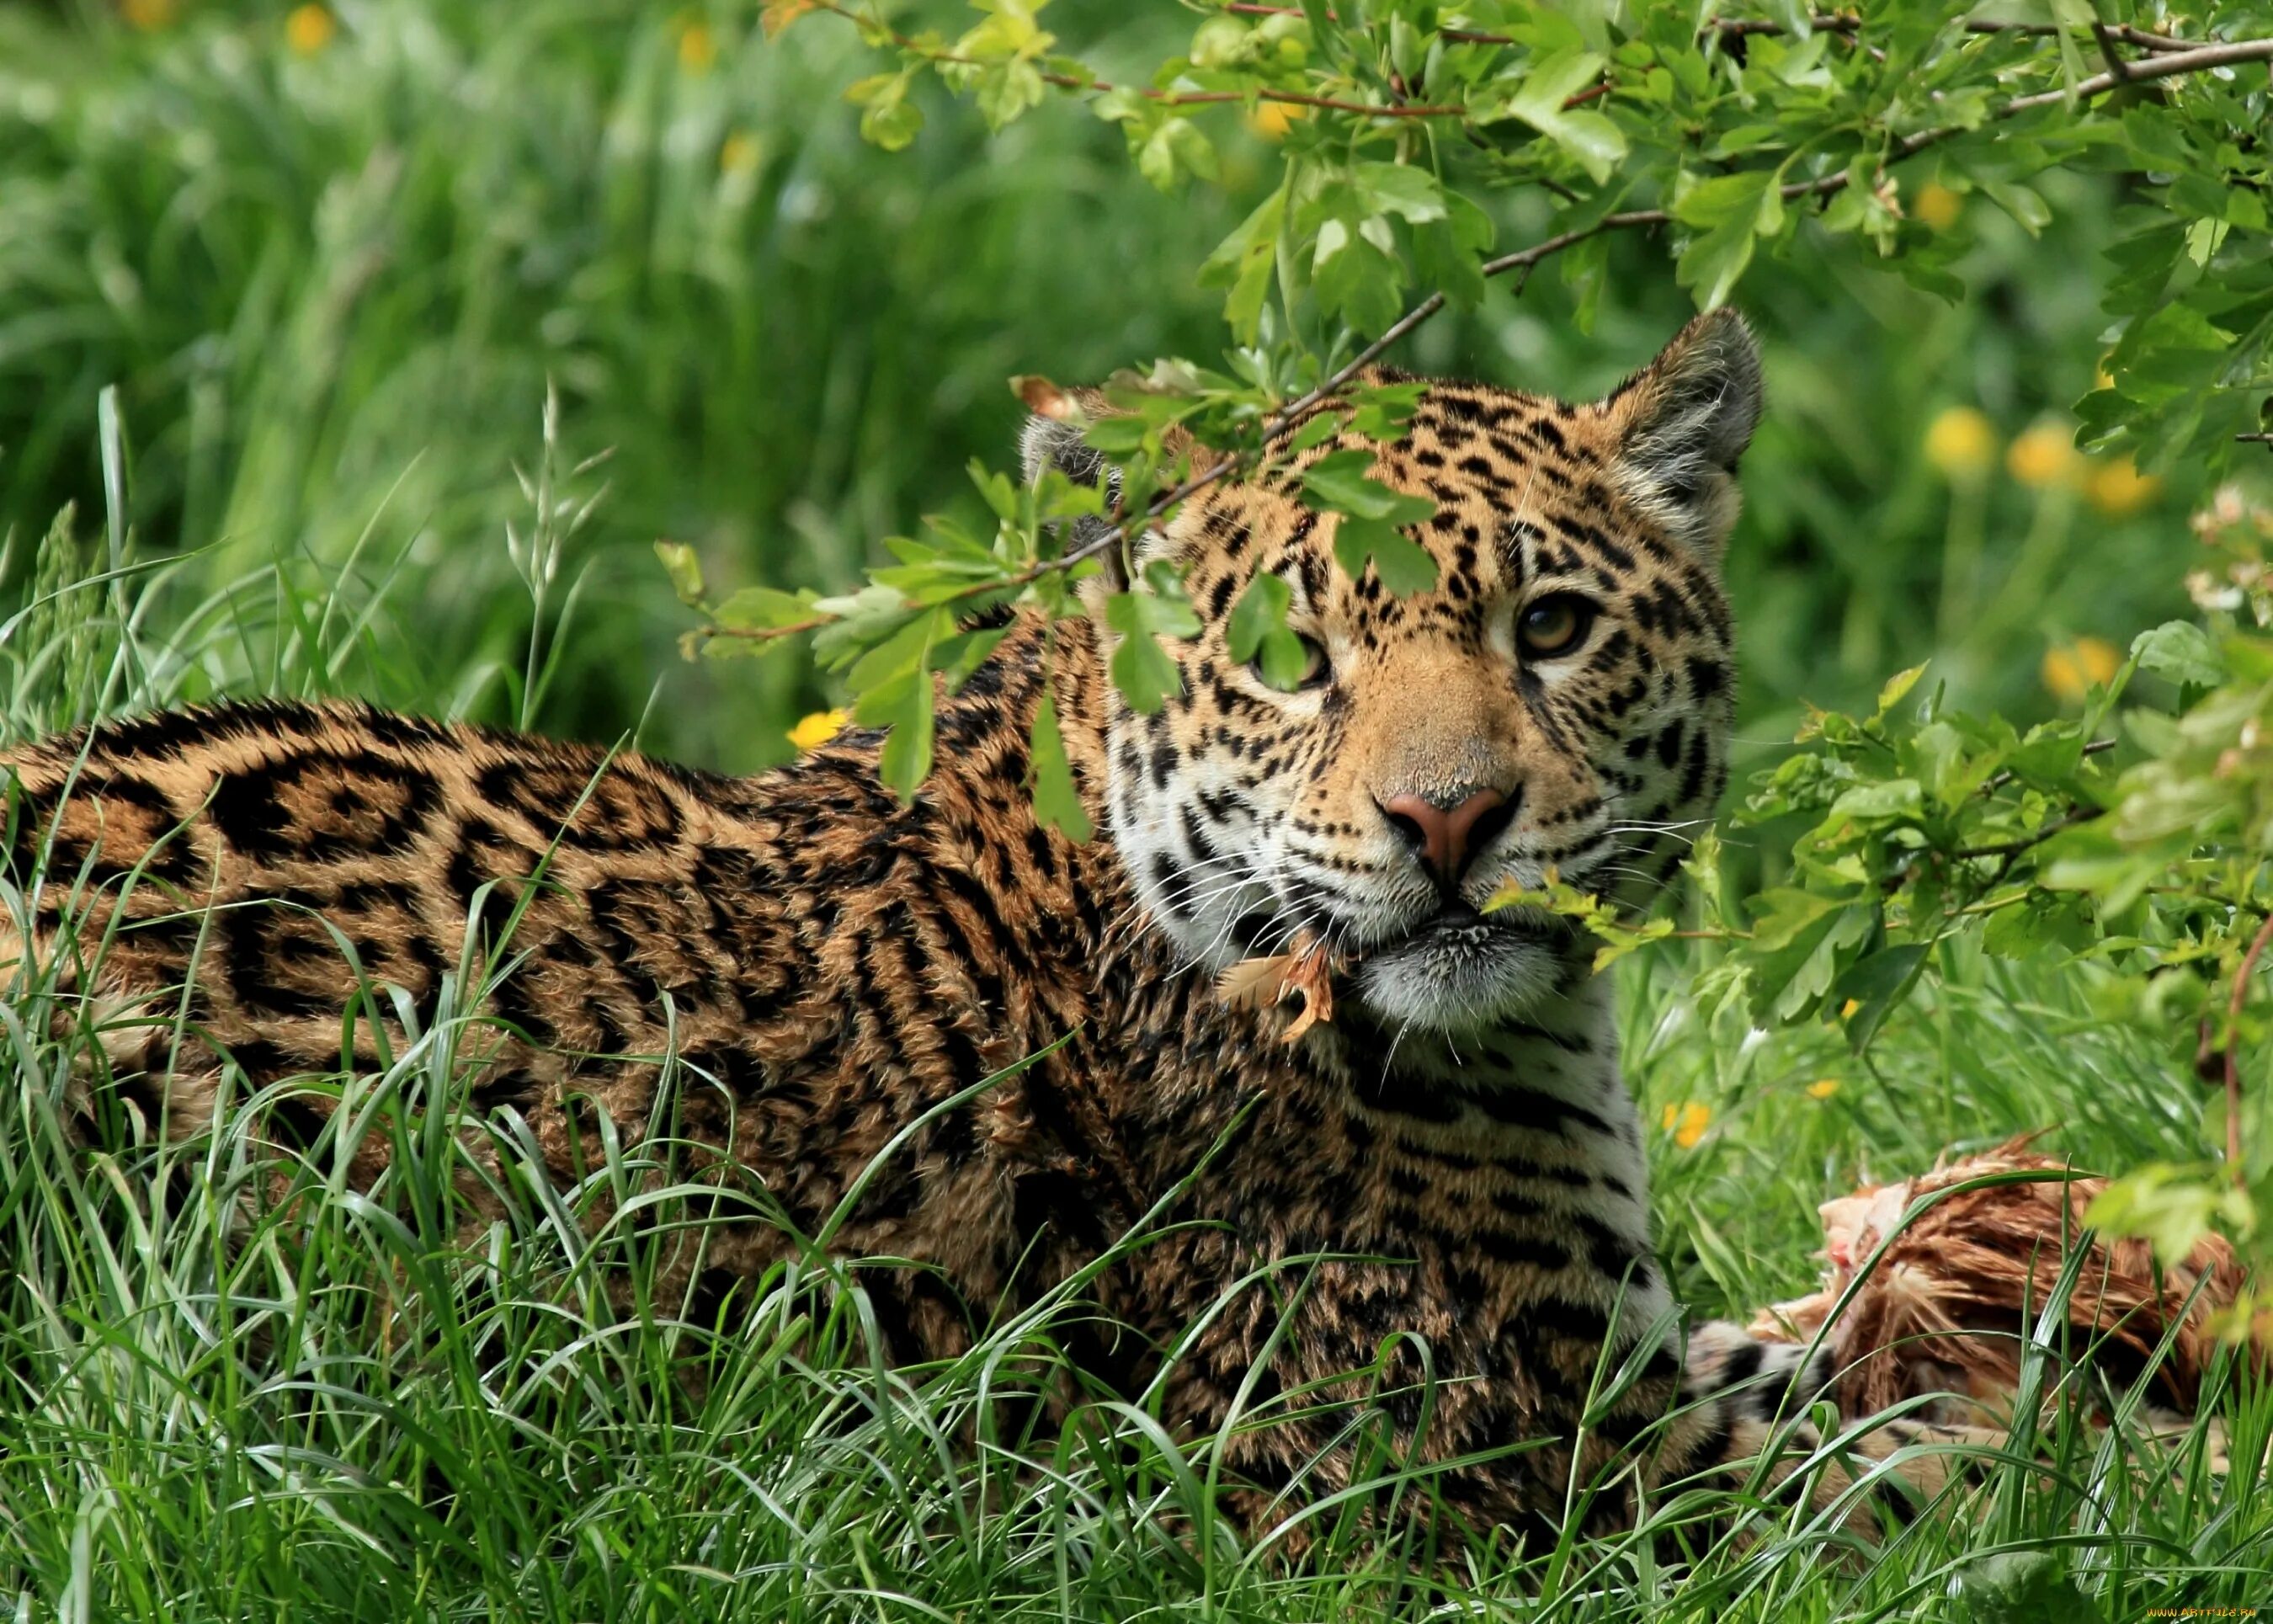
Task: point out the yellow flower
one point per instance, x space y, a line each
2044 456
149 15
309 28
738 153
1271 120
1823 1088
1687 1121
1937 205
776 15
1847 1009
698 47
1961 442
2072 669
814 731
2117 489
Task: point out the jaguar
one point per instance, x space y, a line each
797 972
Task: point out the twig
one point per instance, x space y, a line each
2155 67
2014 848
2093 748
2107 32
1821 23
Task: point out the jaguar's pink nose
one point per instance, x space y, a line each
1442 836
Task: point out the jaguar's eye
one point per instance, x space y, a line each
1312 671
1553 625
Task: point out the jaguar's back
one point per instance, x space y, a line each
277 884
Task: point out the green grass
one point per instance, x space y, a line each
334 294
234 1385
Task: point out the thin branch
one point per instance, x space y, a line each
2014 848
1735 27
2155 67
2109 33
2095 746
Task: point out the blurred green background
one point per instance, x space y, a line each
332 257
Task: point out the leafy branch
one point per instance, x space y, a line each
1413 130
1726 213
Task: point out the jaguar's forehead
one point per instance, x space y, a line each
1524 486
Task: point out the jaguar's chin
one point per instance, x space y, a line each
1461 971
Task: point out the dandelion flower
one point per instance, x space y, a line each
738 153
1823 1088
2044 456
2071 670
698 47
1937 205
308 29
1961 442
1271 120
814 731
1687 1121
2117 489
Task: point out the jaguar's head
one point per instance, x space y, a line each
1558 702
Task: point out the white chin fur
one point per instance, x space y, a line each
1449 987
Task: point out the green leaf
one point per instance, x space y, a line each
1144 672
1405 566
1739 207
1342 482
892 683
1800 943
762 608
1876 983
1247 260
1176 149
2171 1207
2179 651
888 119
1140 668
1897 687
1258 631
1356 276
1890 798
1597 144
1057 805
2021 1587
684 568
1400 189
905 758
1384 410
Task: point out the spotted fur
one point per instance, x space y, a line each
1455 1156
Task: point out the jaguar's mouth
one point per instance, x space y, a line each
1456 969
1461 968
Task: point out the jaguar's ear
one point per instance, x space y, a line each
1682 421
1053 439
